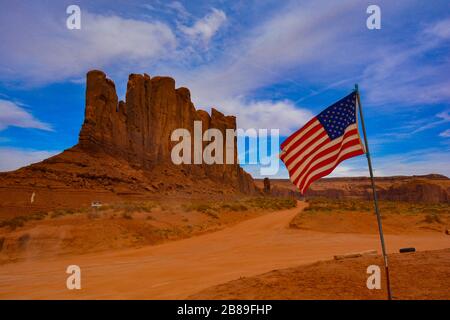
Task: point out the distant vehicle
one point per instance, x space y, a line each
96 204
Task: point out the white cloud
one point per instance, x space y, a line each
179 8
402 76
440 29
12 114
410 128
293 37
311 40
168 8
15 158
445 134
205 28
290 43
266 114
44 50
443 117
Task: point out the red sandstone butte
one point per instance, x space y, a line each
125 147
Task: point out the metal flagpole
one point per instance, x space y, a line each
375 200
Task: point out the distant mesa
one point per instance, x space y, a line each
431 188
124 148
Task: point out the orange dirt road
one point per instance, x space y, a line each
178 269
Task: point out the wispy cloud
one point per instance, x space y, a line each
445 134
442 118
180 9
43 50
292 38
15 158
266 114
12 114
205 28
404 75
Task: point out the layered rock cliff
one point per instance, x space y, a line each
139 129
125 147
432 188
427 188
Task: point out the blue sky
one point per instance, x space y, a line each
274 64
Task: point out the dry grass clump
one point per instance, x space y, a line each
127 215
323 205
23 240
432 218
266 203
272 203
209 209
61 212
200 207
234 207
20 221
131 207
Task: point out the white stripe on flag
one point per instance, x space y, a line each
331 165
301 134
325 157
332 143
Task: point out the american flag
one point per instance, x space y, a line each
325 141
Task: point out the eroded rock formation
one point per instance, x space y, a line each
125 148
139 129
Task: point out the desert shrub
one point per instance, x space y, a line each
146 206
431 218
325 205
234 207
272 203
24 239
212 214
56 214
14 223
38 216
19 221
328 205
127 215
131 207
61 212
200 207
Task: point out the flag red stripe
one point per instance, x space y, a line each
317 148
307 172
295 154
306 136
298 132
313 156
324 173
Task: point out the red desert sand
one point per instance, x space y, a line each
179 269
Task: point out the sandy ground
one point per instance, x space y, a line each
178 269
108 230
346 279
